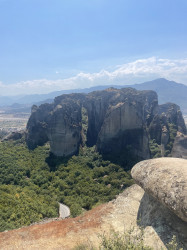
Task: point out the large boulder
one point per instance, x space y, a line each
166 180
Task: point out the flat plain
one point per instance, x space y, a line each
11 122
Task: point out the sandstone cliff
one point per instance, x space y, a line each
117 120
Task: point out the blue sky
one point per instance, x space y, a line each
50 45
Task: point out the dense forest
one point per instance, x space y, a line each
33 182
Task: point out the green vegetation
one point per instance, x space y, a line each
172 135
33 182
130 240
22 206
84 125
115 241
154 149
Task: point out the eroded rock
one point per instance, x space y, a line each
180 146
166 180
119 121
58 123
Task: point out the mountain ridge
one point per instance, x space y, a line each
168 91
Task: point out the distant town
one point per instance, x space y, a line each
11 122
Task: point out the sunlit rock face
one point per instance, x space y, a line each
118 120
166 180
64 129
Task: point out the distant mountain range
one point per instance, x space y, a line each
168 91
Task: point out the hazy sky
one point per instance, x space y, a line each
48 45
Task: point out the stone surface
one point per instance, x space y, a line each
168 115
173 115
58 123
64 129
180 146
166 180
119 131
36 132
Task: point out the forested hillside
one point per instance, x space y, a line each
33 182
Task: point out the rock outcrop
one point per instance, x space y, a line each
179 149
166 180
117 120
165 125
171 113
59 123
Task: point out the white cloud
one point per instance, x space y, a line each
132 72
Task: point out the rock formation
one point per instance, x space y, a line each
166 180
117 120
164 126
172 114
180 146
59 123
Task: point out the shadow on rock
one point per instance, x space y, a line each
165 223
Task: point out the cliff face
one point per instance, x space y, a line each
59 123
64 129
117 119
165 125
179 149
37 125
